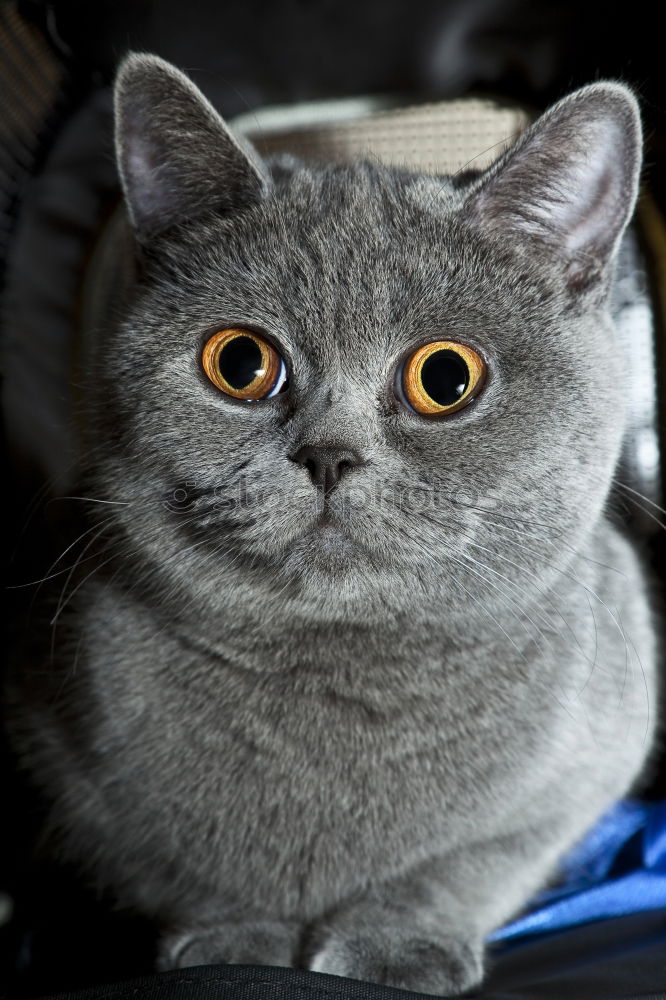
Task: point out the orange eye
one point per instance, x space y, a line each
441 378
244 365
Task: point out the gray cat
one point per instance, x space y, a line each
361 655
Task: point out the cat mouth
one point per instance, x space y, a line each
327 527
327 515
332 536
327 521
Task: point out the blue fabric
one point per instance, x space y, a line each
619 868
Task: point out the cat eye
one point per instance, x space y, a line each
244 365
440 378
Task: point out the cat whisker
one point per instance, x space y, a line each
52 576
553 693
117 554
118 503
629 642
626 662
574 579
50 484
507 141
625 638
68 674
62 602
521 569
166 598
590 673
642 496
105 562
522 592
476 601
507 600
559 544
506 517
644 509
549 605
555 542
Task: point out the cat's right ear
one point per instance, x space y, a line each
176 157
570 182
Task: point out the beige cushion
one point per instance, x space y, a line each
440 137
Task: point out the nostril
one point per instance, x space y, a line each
311 466
326 463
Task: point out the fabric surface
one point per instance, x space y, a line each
623 959
618 869
435 137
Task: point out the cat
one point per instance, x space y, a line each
361 653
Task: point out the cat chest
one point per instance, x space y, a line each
291 801
297 816
295 833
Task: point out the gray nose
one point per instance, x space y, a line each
326 463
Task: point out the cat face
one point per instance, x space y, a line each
346 272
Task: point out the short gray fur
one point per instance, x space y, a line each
359 746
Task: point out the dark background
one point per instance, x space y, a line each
248 54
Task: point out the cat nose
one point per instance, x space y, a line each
326 463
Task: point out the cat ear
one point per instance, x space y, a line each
177 158
571 180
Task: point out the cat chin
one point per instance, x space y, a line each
328 549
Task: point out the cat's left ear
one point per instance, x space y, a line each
177 158
570 181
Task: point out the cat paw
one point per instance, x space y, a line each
243 943
446 967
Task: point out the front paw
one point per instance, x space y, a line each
258 942
447 966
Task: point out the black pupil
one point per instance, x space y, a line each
445 377
239 361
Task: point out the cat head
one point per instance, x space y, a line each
328 374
